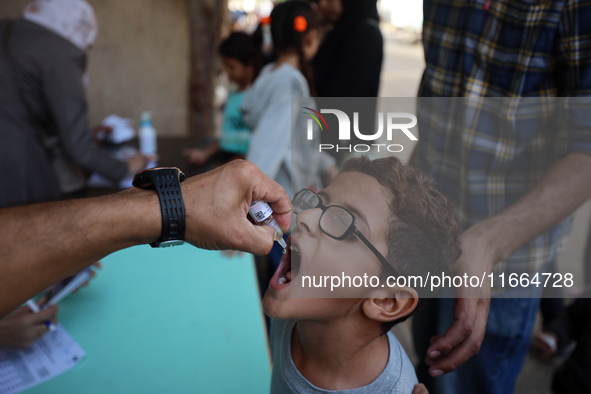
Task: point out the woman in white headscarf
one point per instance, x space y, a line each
74 20
43 112
42 64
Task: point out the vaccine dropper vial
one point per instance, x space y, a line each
262 214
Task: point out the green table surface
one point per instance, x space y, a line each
175 320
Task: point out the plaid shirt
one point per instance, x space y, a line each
498 55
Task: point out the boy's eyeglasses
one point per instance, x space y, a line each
336 222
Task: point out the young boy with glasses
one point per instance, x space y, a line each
377 220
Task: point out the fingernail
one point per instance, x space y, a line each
436 372
434 353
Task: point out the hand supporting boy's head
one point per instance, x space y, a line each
376 222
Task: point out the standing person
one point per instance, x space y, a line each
239 59
513 186
349 60
42 65
268 105
42 62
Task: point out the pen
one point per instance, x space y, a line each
35 308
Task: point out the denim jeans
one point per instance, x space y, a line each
495 368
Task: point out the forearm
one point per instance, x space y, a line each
562 190
44 243
47 242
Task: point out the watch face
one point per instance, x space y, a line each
143 178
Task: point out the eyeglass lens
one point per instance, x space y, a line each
305 199
335 221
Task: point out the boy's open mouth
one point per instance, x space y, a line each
289 265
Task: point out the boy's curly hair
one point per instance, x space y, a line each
423 234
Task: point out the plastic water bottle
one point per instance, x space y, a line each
147 137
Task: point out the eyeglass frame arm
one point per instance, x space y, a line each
380 256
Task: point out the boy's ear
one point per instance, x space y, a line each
394 306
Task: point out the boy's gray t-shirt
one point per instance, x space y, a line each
397 378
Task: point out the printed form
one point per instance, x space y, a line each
52 355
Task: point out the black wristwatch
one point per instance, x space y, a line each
167 182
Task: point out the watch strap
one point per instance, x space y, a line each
167 185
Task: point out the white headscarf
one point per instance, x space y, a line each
72 19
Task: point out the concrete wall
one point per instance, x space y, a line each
139 62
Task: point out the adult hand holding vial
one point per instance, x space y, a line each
262 214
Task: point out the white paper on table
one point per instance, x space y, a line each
52 355
122 128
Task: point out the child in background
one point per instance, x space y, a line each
377 218
238 57
286 158
268 108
